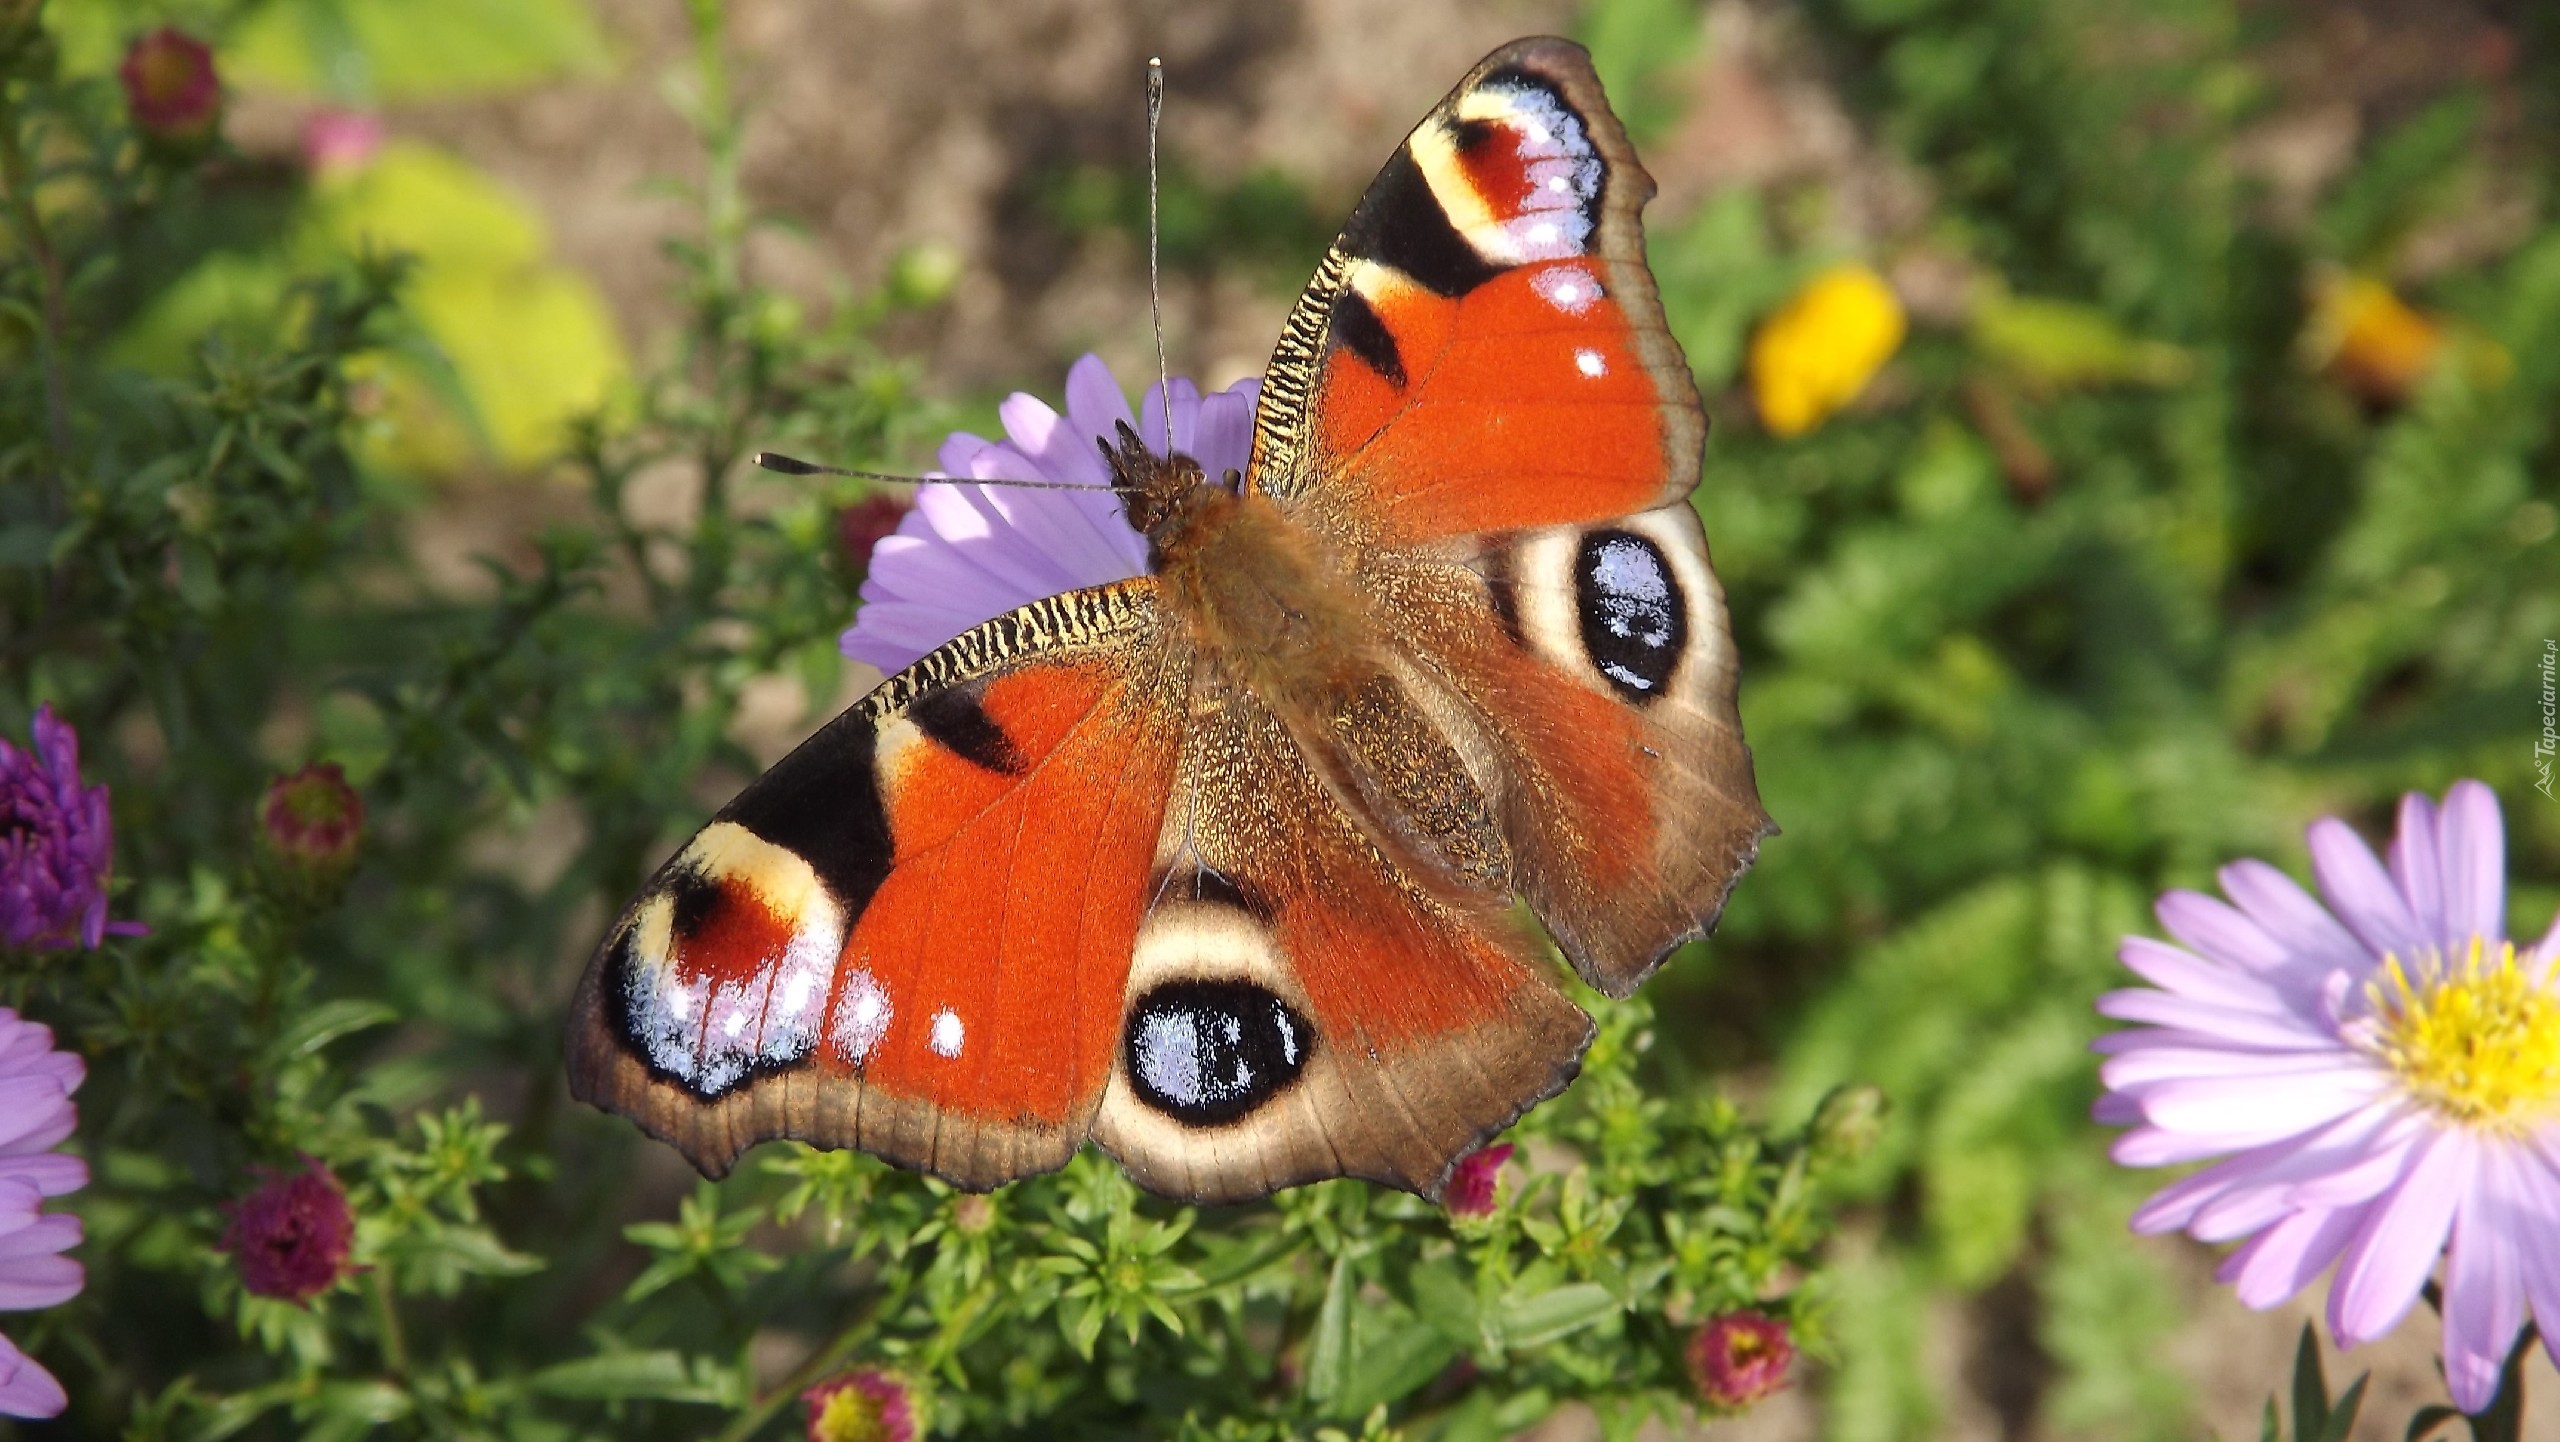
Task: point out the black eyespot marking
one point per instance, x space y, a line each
696 898
1357 329
955 719
1635 623
1207 1052
1400 223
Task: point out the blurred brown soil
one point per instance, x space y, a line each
879 125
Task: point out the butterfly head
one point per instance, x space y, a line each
1165 496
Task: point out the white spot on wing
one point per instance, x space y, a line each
1591 363
1169 1056
1569 288
862 1015
948 1034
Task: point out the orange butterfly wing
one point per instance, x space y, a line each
1479 401
913 934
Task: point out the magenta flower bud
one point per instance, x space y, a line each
868 1405
860 526
1739 1358
291 1237
55 846
170 87
311 824
1471 1183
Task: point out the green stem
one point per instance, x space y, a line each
57 402
815 1367
395 1346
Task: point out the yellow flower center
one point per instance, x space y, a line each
851 1415
2478 1042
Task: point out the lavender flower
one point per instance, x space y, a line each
2379 1076
55 846
36 1115
967 554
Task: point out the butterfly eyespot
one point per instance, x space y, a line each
1208 1052
1634 619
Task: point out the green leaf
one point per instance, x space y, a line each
1329 1348
1395 1356
622 1376
331 1020
2310 1388
1544 1317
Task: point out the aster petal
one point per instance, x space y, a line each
2114 1110
2342 1165
2218 930
2484 1293
2414 860
1095 401
2474 847
2289 1256
2361 892
2396 1246
2152 1065
1061 451
2537 1198
47 1234
49 1173
2185 974
2268 1109
26 1388
1223 440
32 1107
1151 416
2226 1027
30 1284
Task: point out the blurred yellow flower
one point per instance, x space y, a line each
1816 352
2368 338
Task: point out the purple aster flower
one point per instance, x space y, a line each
36 1083
967 554
55 846
2379 1077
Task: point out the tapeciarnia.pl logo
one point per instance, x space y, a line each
2550 738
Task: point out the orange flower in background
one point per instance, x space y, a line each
1814 354
2368 339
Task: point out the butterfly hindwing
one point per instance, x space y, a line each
1302 1007
913 934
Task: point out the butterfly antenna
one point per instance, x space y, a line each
1155 232
794 466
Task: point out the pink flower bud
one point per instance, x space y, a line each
1739 1358
868 1405
291 1237
861 525
1471 1185
170 86
312 823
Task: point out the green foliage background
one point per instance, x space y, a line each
1996 709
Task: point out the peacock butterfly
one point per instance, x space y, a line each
1217 865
